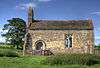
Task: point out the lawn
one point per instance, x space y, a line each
34 62
29 61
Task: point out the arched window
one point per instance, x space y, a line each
68 40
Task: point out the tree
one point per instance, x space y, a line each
97 47
16 32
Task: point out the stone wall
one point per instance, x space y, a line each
82 40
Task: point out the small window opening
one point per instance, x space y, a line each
68 40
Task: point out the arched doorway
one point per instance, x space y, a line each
40 45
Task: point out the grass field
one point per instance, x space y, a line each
30 61
34 62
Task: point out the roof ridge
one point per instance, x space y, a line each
62 20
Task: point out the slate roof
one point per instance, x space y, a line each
61 25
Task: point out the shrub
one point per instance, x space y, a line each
6 46
83 59
8 53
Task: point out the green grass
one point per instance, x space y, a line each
65 59
31 61
34 62
8 53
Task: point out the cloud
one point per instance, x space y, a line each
0 30
25 6
97 37
44 0
2 39
3 31
96 13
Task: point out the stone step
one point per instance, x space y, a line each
42 52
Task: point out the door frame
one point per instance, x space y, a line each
43 46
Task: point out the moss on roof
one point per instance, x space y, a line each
61 25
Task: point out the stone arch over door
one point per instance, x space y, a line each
40 45
29 42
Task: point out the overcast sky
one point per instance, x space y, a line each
52 10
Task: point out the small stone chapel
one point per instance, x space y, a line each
59 36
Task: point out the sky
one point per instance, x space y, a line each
52 10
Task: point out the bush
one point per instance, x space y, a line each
97 47
8 53
83 59
6 46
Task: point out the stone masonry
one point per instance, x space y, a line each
54 40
